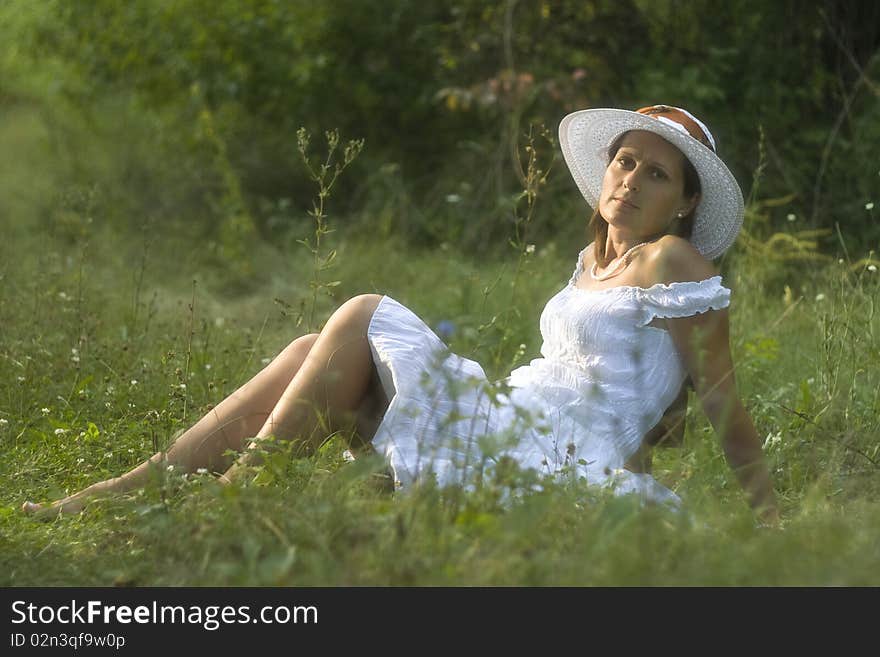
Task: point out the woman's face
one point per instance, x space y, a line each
643 187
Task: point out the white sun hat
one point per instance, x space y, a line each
585 136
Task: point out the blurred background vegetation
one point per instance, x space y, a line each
179 118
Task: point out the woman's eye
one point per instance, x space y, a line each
659 174
624 161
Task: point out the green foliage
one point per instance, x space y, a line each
443 95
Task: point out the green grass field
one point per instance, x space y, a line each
117 331
108 348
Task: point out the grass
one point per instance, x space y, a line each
103 361
113 339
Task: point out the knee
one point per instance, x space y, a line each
302 345
305 341
367 302
360 308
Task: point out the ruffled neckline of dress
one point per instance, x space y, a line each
675 286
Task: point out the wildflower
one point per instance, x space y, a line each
453 198
792 217
78 461
202 471
530 248
170 468
133 382
207 366
840 261
872 268
869 205
108 455
60 432
266 361
772 439
20 379
182 386
445 328
45 411
3 422
74 358
820 297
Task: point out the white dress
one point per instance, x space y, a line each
604 380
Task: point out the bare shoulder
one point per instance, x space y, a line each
674 259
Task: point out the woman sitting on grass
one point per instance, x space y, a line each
643 311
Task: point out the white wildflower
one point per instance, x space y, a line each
74 358
872 268
266 361
133 382
869 205
79 461
530 248
170 468
45 411
207 366
840 261
792 217
3 421
20 379
453 198
60 432
182 386
108 455
202 471
820 297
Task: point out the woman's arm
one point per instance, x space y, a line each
703 341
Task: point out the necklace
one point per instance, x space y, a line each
623 259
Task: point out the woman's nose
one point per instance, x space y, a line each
630 182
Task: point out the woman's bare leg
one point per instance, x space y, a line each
241 415
327 391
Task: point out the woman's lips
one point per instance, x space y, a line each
626 204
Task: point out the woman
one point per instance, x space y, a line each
643 311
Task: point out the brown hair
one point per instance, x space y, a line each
597 228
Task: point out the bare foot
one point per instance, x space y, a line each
237 473
66 506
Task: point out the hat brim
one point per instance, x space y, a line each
585 136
